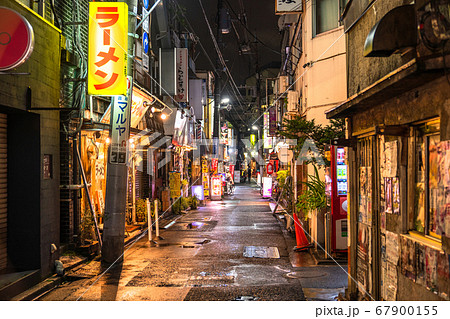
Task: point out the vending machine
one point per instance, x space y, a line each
338 199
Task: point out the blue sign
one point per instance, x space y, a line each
145 42
146 3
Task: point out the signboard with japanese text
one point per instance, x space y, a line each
108 46
99 170
140 104
204 166
288 6
216 187
272 121
205 183
120 130
268 140
175 184
269 168
214 165
232 171
237 177
224 134
138 107
182 74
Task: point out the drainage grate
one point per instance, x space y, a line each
261 252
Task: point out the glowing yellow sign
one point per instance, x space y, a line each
108 45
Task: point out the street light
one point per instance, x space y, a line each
225 100
254 128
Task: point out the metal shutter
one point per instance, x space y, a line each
3 191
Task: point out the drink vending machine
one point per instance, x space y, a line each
338 199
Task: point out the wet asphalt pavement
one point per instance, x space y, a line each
201 257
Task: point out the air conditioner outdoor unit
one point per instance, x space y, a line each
292 101
282 84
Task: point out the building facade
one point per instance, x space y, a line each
397 114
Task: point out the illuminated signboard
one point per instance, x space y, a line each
267 187
288 6
120 131
182 75
16 39
216 187
140 104
108 46
214 165
197 191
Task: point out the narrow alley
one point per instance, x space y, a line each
234 249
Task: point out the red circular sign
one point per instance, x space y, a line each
16 39
269 168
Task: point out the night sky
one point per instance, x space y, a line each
261 21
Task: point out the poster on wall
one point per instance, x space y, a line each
388 194
443 194
443 275
382 157
420 264
363 209
391 151
364 242
431 268
408 258
392 247
383 221
395 195
362 275
391 282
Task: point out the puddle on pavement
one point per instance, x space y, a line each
184 245
195 225
322 294
305 274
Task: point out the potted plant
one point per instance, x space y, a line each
176 206
193 202
314 197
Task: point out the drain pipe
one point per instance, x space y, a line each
89 197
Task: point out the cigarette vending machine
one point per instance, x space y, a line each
338 198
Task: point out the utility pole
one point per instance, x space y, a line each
260 113
217 87
117 174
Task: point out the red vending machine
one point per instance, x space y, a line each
338 172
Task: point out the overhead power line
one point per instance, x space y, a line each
250 32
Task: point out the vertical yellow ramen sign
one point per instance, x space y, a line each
108 44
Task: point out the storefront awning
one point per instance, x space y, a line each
384 39
411 75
